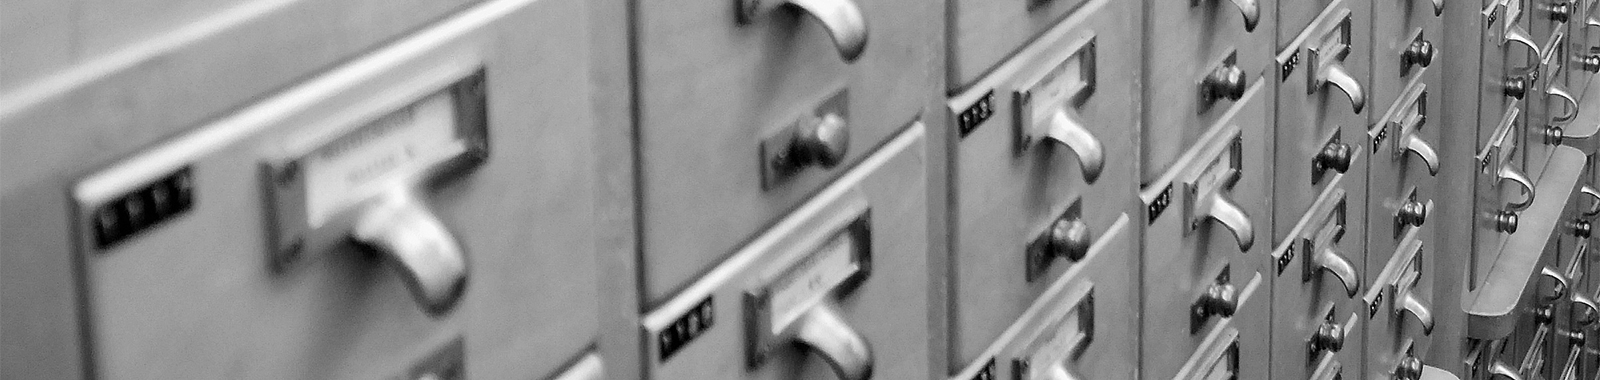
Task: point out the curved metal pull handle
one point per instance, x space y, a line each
1591 22
1330 261
408 236
1502 370
1515 33
1251 10
1595 195
1066 130
1589 315
1563 286
1419 147
1508 173
1231 216
1336 74
1572 102
842 18
1410 303
820 329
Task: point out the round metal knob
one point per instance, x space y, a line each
1413 213
1070 239
1591 63
1409 368
1506 222
1553 135
1220 299
1544 315
1329 337
1225 82
823 141
1560 12
1516 88
1334 156
1419 53
1582 229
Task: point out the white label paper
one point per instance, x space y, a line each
812 280
378 155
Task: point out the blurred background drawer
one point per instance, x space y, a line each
423 157
79 33
714 86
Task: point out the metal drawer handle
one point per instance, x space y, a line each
1572 102
842 18
1330 261
1224 211
1515 33
1251 10
1335 73
1509 173
820 329
1328 337
1418 308
1590 315
1595 195
427 257
1591 21
1419 147
1562 285
1502 370
1066 130
1419 53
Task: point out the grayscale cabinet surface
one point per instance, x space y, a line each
199 285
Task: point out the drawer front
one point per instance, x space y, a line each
51 35
1097 293
985 32
1014 181
1508 57
1316 275
1399 302
1321 91
1189 42
1205 221
845 274
713 87
1402 212
426 153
